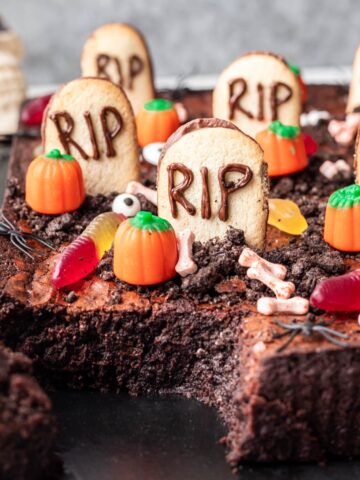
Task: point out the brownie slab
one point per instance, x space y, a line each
199 336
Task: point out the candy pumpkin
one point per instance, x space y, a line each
145 250
303 87
54 184
156 122
284 149
342 219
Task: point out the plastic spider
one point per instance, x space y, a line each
307 329
18 239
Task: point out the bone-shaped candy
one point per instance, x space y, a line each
185 265
248 258
260 272
292 306
136 187
330 169
183 114
344 131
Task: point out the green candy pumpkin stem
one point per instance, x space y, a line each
147 221
295 69
345 197
284 131
158 105
56 154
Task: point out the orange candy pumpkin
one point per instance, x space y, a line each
156 122
342 219
284 149
145 250
54 184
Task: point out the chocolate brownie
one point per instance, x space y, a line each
199 336
27 427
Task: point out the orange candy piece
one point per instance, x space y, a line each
156 122
54 184
284 149
145 250
342 219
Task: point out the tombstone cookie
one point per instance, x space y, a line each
354 92
357 158
256 89
212 176
119 53
91 119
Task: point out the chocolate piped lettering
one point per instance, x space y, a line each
226 189
65 131
238 89
136 66
205 196
275 101
102 62
110 134
235 96
261 115
94 144
176 192
65 124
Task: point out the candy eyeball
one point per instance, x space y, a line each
127 204
151 152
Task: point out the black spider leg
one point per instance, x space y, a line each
324 328
26 235
14 240
293 334
331 335
31 236
15 237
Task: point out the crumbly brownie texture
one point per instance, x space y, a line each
27 428
198 336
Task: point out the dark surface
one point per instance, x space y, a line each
111 437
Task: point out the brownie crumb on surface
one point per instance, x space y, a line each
308 258
27 427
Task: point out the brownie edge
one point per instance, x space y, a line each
27 427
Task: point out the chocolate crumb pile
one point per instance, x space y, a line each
219 277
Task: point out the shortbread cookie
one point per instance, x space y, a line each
255 90
92 119
117 51
12 82
357 158
354 93
210 176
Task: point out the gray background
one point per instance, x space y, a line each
199 36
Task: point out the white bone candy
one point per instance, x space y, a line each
313 117
136 187
342 166
331 169
328 169
261 273
151 152
248 258
181 111
185 265
291 306
344 131
127 204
